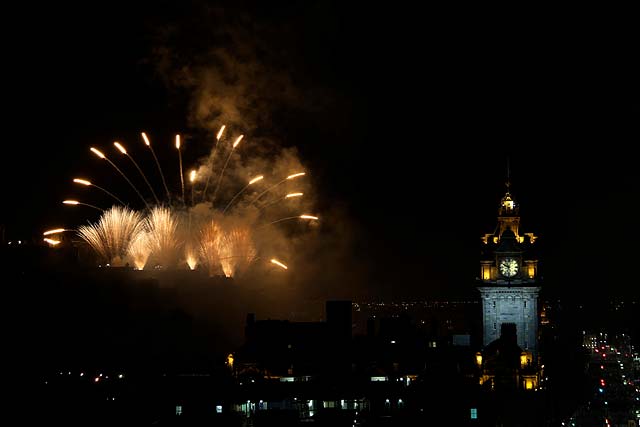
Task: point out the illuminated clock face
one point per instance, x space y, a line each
509 267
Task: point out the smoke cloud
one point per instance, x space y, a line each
237 71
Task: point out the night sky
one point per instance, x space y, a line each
406 119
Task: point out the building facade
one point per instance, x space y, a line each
508 281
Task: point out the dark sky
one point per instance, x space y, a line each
405 117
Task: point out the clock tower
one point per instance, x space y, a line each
508 281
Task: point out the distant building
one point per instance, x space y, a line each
296 351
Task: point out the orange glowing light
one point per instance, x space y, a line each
279 264
54 231
146 140
256 179
120 147
98 153
235 144
220 132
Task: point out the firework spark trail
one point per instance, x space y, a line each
162 226
278 263
213 155
315 218
124 151
288 196
181 173
253 181
75 202
102 156
52 242
148 144
192 180
139 250
90 184
209 234
290 177
191 257
233 147
112 235
236 250
55 231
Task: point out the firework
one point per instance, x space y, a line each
75 202
236 250
191 257
140 249
220 132
89 183
97 152
102 156
233 147
309 217
208 240
192 180
180 162
164 182
162 227
225 241
290 177
288 196
253 181
123 151
213 155
112 235
315 218
278 263
55 231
